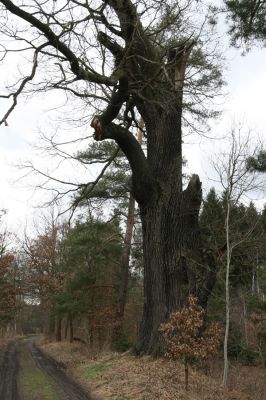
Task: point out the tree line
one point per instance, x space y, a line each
71 276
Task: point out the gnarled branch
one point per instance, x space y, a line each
143 185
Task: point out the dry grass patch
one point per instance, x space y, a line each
251 380
124 377
70 354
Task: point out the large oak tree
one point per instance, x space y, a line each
130 59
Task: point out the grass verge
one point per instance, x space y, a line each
32 382
34 385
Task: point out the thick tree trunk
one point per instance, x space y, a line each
169 215
170 231
165 277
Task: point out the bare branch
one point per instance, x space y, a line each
58 45
22 86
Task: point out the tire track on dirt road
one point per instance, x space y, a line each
66 387
26 373
8 373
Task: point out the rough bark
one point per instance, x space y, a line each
169 215
170 231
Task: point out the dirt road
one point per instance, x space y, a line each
26 373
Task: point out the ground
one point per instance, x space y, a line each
26 373
124 377
30 373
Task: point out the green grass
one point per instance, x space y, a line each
34 385
93 371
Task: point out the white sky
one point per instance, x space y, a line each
246 87
244 102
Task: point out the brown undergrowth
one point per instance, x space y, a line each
3 344
124 377
4 341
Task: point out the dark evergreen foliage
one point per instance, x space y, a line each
247 21
257 163
92 250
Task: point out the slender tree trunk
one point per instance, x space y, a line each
186 376
71 330
122 296
59 329
66 327
257 268
89 333
227 295
255 285
245 316
15 326
125 258
51 327
253 280
124 270
127 245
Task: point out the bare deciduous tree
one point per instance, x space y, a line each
237 182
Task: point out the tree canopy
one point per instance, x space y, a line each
247 21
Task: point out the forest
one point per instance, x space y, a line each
137 276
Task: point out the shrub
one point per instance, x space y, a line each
121 343
187 339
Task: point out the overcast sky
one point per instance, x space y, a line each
245 101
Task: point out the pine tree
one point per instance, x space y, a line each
92 250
